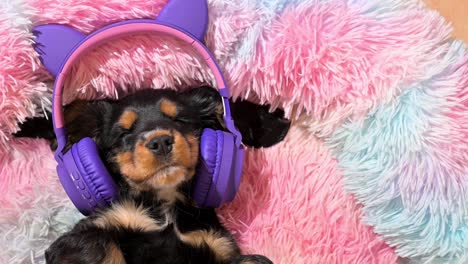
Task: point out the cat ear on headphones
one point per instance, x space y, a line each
54 42
190 16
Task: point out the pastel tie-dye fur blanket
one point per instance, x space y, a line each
378 91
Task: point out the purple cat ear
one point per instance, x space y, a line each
189 15
54 43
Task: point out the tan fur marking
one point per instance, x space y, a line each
145 171
170 195
146 163
168 108
185 150
127 215
162 132
194 148
141 164
136 170
220 245
114 256
127 119
169 178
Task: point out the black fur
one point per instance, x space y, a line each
197 109
259 127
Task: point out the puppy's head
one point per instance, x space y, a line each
154 139
151 138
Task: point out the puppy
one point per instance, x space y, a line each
149 141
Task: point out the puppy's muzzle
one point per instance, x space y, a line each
161 145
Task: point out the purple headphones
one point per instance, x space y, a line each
81 171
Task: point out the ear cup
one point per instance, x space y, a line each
95 176
72 182
219 170
224 187
211 142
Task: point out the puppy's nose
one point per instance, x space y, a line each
161 145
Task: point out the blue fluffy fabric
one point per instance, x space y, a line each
406 162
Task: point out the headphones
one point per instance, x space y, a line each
81 171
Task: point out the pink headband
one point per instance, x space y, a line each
61 46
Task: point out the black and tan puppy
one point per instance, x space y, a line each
149 142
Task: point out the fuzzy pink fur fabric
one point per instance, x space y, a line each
292 208
326 62
19 78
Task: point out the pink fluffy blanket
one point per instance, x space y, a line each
377 90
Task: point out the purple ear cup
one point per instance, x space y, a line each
94 172
211 146
88 184
81 171
218 177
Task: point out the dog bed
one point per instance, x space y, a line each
373 170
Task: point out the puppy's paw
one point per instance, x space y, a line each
88 247
252 259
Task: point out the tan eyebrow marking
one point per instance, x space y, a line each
168 107
128 118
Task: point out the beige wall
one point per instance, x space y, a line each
455 11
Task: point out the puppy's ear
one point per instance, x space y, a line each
37 127
82 119
259 127
87 119
203 103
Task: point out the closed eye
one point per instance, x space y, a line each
119 132
181 120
